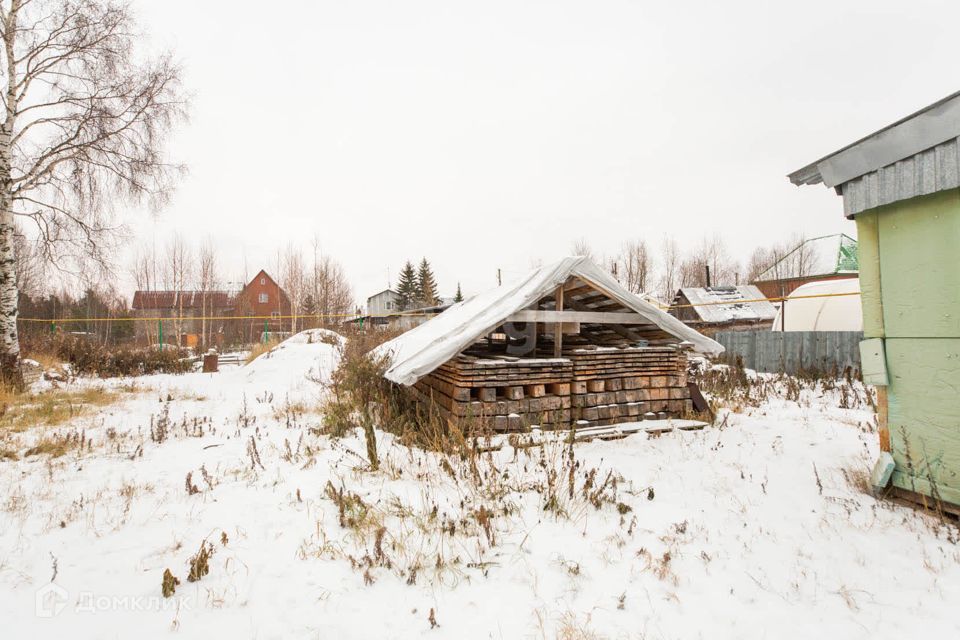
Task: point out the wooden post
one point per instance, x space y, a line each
883 426
558 326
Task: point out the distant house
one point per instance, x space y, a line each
267 302
178 314
183 308
712 309
383 303
832 257
384 309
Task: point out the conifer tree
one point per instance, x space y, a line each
408 286
426 284
459 296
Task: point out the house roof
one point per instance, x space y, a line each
188 299
822 256
727 304
916 155
421 350
380 293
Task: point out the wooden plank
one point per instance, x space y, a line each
558 327
559 388
487 394
594 317
513 393
535 390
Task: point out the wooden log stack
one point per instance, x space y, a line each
584 387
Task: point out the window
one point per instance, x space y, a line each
263 281
264 298
274 314
389 305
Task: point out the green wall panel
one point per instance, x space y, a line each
924 413
919 243
868 249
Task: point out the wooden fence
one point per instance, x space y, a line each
817 352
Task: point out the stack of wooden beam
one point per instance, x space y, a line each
585 387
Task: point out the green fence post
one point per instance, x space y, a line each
266 332
160 332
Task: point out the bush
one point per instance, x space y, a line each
87 356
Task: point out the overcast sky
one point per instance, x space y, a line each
493 134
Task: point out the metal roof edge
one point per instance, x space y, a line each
889 144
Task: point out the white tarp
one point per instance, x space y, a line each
826 312
422 349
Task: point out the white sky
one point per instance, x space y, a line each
490 134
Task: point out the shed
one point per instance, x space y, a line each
565 344
901 185
712 309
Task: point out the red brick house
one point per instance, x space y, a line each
262 296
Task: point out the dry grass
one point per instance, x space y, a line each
19 412
54 447
261 348
46 359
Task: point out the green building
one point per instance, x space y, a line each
901 185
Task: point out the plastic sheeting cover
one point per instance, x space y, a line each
424 348
830 312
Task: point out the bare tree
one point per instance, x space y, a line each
710 254
177 274
329 287
29 265
83 125
207 280
294 282
670 276
634 266
581 247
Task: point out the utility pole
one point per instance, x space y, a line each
707 267
498 277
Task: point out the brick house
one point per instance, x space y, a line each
264 298
184 310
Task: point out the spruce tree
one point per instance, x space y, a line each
408 286
459 296
426 284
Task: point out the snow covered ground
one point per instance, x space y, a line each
758 527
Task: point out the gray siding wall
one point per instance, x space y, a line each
791 352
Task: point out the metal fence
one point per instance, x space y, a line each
792 352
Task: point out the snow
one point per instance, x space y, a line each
745 302
422 349
755 527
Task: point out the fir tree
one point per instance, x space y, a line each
309 306
426 285
459 296
408 286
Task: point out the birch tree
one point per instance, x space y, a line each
84 119
207 280
177 274
634 266
293 279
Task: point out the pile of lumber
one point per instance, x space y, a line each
584 388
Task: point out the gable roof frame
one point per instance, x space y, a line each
419 351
